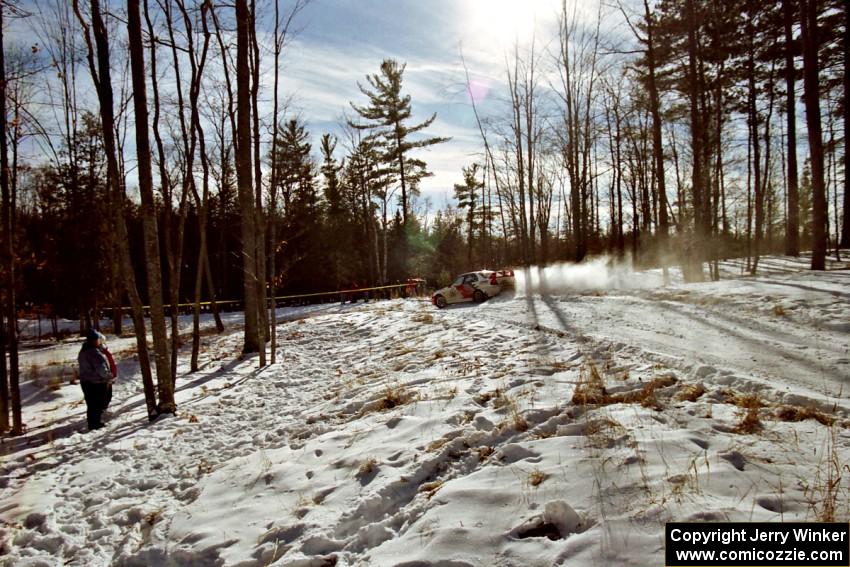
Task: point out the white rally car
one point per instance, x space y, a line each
474 286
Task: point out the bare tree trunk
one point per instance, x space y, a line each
260 241
384 233
517 142
792 229
808 18
756 161
102 79
149 225
577 69
201 201
373 223
845 226
492 164
272 273
9 257
5 401
219 325
621 239
750 138
697 255
530 145
175 241
762 218
173 249
832 179
244 175
657 145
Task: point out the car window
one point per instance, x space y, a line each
458 281
470 278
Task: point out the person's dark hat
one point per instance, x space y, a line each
92 335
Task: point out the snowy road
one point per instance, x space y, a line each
791 332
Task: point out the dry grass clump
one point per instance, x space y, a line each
646 395
591 390
367 467
748 401
401 350
395 396
826 492
500 400
517 420
536 477
691 392
560 364
484 451
423 318
436 445
153 517
601 426
749 418
795 413
752 403
204 467
778 310
487 396
431 488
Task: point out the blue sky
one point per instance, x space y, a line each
341 41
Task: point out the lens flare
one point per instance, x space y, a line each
477 90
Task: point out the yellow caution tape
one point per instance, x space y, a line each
229 301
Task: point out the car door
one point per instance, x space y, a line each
454 294
467 287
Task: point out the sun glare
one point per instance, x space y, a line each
507 21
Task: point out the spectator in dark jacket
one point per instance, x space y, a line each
96 378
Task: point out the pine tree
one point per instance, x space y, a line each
468 195
296 184
292 155
365 181
337 238
387 115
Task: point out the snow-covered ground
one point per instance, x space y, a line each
564 425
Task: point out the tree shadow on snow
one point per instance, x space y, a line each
35 451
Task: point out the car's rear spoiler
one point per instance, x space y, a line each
504 277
